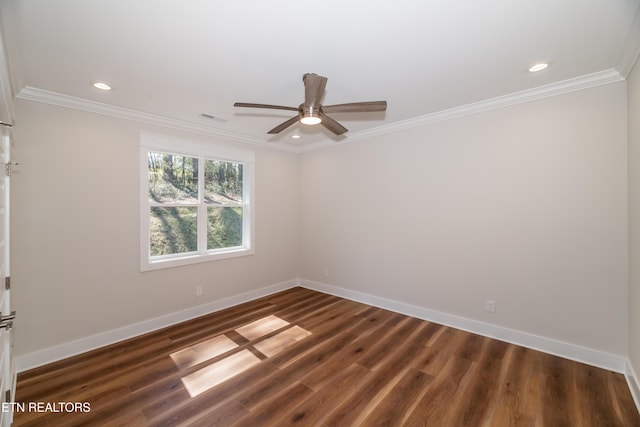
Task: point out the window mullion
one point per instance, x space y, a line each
202 209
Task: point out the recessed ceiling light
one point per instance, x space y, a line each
102 86
538 67
295 136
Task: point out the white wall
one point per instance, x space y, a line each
633 95
75 230
525 205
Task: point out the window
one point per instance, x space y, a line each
195 202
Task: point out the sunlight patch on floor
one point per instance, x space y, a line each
202 351
212 375
275 344
262 327
238 360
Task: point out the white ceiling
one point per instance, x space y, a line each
173 60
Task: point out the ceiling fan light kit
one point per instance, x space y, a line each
311 112
310 120
310 115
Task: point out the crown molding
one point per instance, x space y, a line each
53 98
559 88
566 86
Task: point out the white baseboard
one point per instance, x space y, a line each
586 355
632 382
612 362
68 349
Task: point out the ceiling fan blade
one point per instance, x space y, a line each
332 125
273 107
356 107
282 126
313 89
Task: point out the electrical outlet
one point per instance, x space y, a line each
198 291
325 272
491 306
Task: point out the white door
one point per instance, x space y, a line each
7 371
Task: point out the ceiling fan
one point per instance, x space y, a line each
311 112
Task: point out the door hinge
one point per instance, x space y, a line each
8 317
7 283
8 325
7 395
8 168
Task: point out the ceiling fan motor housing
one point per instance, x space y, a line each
311 112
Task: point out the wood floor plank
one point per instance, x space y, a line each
254 394
314 409
506 416
622 400
388 371
187 409
400 333
368 335
210 376
202 351
299 308
301 357
272 410
314 344
510 394
261 327
226 390
557 396
471 346
225 415
133 419
532 389
275 344
435 406
62 379
397 405
215 326
592 398
480 389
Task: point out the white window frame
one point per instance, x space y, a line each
182 147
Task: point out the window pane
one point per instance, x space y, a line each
222 182
224 227
172 178
173 230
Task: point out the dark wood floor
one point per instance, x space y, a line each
305 358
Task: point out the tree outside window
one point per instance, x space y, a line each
196 206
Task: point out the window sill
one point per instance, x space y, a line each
189 259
